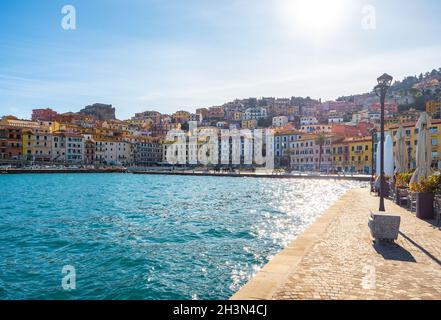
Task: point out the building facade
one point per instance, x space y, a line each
280 121
411 136
148 152
255 113
360 154
74 148
37 144
44 115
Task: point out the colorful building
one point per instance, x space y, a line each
283 143
433 108
44 115
11 141
412 140
181 116
305 154
37 144
249 124
360 154
340 155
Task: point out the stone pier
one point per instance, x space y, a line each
336 258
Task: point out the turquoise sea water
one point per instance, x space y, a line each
148 237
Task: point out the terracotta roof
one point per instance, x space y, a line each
411 124
358 139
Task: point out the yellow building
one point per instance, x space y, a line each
412 140
293 110
37 144
181 116
237 116
360 154
340 155
433 107
249 124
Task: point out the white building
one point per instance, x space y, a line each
58 148
222 124
316 128
255 113
219 147
357 117
113 152
336 119
280 121
67 147
196 117
374 116
305 121
233 126
74 148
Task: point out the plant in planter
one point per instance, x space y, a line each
402 181
425 190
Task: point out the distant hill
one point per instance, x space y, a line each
412 91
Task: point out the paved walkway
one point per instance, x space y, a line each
336 259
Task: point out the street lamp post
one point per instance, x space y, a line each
374 135
384 83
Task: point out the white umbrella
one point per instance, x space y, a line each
401 156
388 157
424 150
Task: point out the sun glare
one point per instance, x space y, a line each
314 18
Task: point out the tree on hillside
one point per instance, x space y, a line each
185 126
265 122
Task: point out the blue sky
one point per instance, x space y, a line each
167 55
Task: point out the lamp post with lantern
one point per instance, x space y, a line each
384 83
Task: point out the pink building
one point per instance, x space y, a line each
339 106
305 154
43 114
388 106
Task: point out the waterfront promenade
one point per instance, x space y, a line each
335 258
243 174
258 174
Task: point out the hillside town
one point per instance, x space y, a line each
308 134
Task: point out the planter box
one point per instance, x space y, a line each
384 227
401 195
424 205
